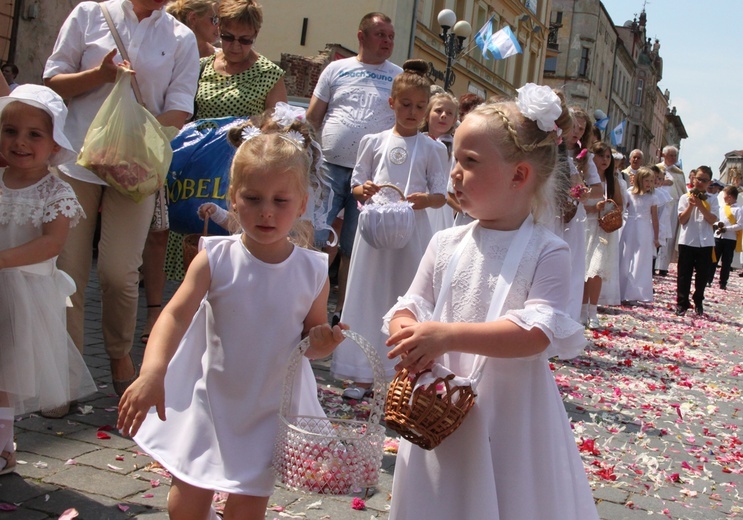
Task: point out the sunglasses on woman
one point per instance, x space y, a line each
242 40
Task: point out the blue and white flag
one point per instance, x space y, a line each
483 36
503 44
601 124
617 135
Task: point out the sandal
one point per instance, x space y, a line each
10 462
145 337
120 386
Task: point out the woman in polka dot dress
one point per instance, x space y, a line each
236 81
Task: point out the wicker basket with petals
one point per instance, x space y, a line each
327 455
428 414
612 219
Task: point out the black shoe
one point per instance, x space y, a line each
699 308
740 274
662 272
724 287
681 310
335 320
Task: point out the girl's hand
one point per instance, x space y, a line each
146 391
600 205
419 345
324 339
369 189
206 209
418 200
657 243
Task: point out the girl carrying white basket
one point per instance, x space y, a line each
514 457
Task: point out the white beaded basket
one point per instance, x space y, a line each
327 455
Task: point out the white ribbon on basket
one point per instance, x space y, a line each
502 288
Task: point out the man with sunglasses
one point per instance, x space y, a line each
697 214
349 102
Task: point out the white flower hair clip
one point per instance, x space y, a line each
285 114
540 104
294 137
250 132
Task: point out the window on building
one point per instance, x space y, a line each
638 92
583 66
482 17
459 10
550 65
438 5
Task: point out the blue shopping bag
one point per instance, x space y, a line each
199 173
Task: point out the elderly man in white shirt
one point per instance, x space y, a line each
697 214
82 69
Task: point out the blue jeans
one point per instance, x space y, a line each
340 183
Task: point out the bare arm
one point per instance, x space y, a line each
426 200
419 344
175 118
316 113
76 83
323 338
48 245
654 217
276 94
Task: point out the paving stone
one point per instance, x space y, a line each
34 466
103 457
40 424
116 441
611 494
99 482
612 511
15 488
89 506
60 448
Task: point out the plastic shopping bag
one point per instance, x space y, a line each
125 145
199 172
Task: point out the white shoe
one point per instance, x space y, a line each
593 323
356 392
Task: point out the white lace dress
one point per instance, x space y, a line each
601 247
514 457
39 364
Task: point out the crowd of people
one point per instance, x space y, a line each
480 236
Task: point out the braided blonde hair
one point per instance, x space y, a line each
519 139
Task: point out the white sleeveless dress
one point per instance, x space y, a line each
39 364
514 457
223 387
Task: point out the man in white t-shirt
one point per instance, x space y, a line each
351 100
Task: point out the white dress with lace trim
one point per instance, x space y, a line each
39 365
519 421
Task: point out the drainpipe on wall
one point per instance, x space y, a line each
17 9
413 26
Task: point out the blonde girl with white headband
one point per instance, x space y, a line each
207 399
488 302
40 368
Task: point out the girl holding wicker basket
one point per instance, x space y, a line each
214 361
400 163
476 305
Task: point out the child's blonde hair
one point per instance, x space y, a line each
518 138
440 96
263 145
642 173
413 75
180 9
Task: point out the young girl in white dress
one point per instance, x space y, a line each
438 124
517 438
639 239
40 368
601 247
216 361
574 231
377 277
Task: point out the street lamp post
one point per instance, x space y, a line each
453 41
